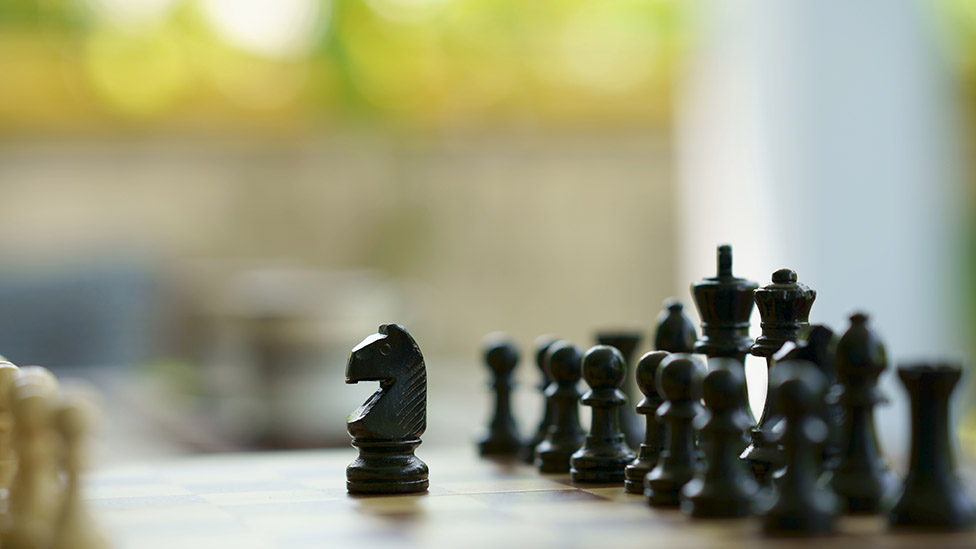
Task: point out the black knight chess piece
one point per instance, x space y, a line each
784 307
679 382
798 503
502 438
725 488
387 427
861 477
563 361
654 435
933 497
725 304
542 344
626 342
674 333
605 452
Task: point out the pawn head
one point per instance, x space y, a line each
679 377
501 355
798 388
604 367
721 388
563 361
542 345
647 368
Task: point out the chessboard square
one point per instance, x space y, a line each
264 496
506 485
112 491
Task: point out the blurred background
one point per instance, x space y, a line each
207 203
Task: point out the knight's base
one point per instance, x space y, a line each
386 467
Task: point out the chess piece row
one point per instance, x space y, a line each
43 433
814 448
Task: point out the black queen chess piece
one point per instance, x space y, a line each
626 342
501 355
563 361
605 452
862 477
387 427
679 382
725 303
654 436
541 345
933 497
784 307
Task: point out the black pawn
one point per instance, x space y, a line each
725 488
542 344
565 436
679 382
502 438
784 307
862 477
725 304
626 343
650 449
933 498
605 452
675 333
798 504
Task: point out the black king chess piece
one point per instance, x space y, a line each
679 382
502 438
542 344
725 304
650 448
605 452
725 488
563 361
862 477
799 504
626 342
674 332
933 498
386 428
784 307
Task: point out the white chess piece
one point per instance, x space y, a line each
8 459
75 528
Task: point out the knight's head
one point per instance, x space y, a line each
383 355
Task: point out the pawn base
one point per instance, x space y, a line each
386 467
662 488
635 472
941 506
587 466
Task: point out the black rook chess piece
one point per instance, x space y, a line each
650 449
605 452
725 488
565 436
933 498
725 304
861 477
502 439
386 428
675 333
784 307
679 382
626 342
542 344
799 505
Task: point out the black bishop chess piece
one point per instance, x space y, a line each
798 504
542 344
933 497
565 436
674 333
605 452
626 342
784 307
386 428
502 438
725 304
679 382
650 448
862 477
725 488
818 349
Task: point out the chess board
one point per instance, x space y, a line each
298 499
